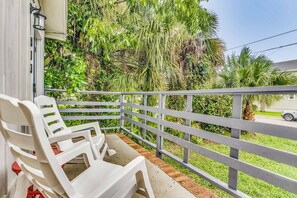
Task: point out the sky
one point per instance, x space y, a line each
244 21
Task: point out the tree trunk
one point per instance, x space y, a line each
248 113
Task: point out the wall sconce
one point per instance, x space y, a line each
39 18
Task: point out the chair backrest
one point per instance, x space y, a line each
42 170
51 116
52 119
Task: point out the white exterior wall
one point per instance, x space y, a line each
286 102
15 76
283 104
16 79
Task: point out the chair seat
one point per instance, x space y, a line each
97 175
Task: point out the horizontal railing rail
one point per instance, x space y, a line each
47 90
76 110
132 111
226 91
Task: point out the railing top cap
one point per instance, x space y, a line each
225 91
84 92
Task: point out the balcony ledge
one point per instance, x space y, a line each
165 180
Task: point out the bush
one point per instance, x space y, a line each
213 105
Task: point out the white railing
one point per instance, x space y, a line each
125 110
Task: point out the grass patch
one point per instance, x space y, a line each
269 114
247 184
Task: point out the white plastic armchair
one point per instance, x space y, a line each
44 171
54 125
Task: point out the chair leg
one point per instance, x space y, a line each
22 186
111 152
105 149
144 184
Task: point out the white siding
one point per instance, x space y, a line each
16 79
15 76
283 104
2 80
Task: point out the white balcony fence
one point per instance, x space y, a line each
127 111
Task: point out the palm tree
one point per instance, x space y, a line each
170 43
137 45
267 100
248 70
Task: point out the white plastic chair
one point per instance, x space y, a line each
54 125
44 171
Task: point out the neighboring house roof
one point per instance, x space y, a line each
287 65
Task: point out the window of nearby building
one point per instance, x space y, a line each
292 97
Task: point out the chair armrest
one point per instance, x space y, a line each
67 136
112 185
73 152
88 126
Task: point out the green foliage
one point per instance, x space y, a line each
197 75
216 106
247 70
253 187
148 45
66 71
135 45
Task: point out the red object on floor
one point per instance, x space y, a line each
31 192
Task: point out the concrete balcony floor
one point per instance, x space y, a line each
163 185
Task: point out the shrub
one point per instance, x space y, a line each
213 105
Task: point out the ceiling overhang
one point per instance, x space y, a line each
56 12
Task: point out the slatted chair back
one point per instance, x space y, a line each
52 119
42 170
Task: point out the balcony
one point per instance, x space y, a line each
155 125
165 180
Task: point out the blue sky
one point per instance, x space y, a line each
244 21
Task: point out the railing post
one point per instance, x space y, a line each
188 123
235 133
131 124
122 98
145 113
162 99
